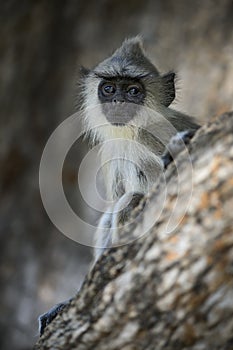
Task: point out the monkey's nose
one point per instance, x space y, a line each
118 99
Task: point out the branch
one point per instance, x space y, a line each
165 290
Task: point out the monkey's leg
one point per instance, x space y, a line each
102 235
176 145
105 237
102 239
47 317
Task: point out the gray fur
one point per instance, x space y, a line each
132 152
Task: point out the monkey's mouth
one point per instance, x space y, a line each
117 124
120 114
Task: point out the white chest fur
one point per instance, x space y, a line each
128 166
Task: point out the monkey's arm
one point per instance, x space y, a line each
107 231
176 145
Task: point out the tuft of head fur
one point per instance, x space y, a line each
127 61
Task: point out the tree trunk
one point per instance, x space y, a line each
172 288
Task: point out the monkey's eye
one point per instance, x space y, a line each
108 89
133 90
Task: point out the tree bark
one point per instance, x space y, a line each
170 289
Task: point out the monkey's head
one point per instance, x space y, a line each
115 91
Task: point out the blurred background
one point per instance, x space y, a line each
42 44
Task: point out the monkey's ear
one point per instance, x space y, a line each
169 92
84 72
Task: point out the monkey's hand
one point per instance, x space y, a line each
122 212
47 317
176 145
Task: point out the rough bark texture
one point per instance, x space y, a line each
165 291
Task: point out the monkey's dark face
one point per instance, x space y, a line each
120 99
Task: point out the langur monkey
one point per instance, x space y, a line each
125 108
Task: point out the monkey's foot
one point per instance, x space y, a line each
176 145
47 317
